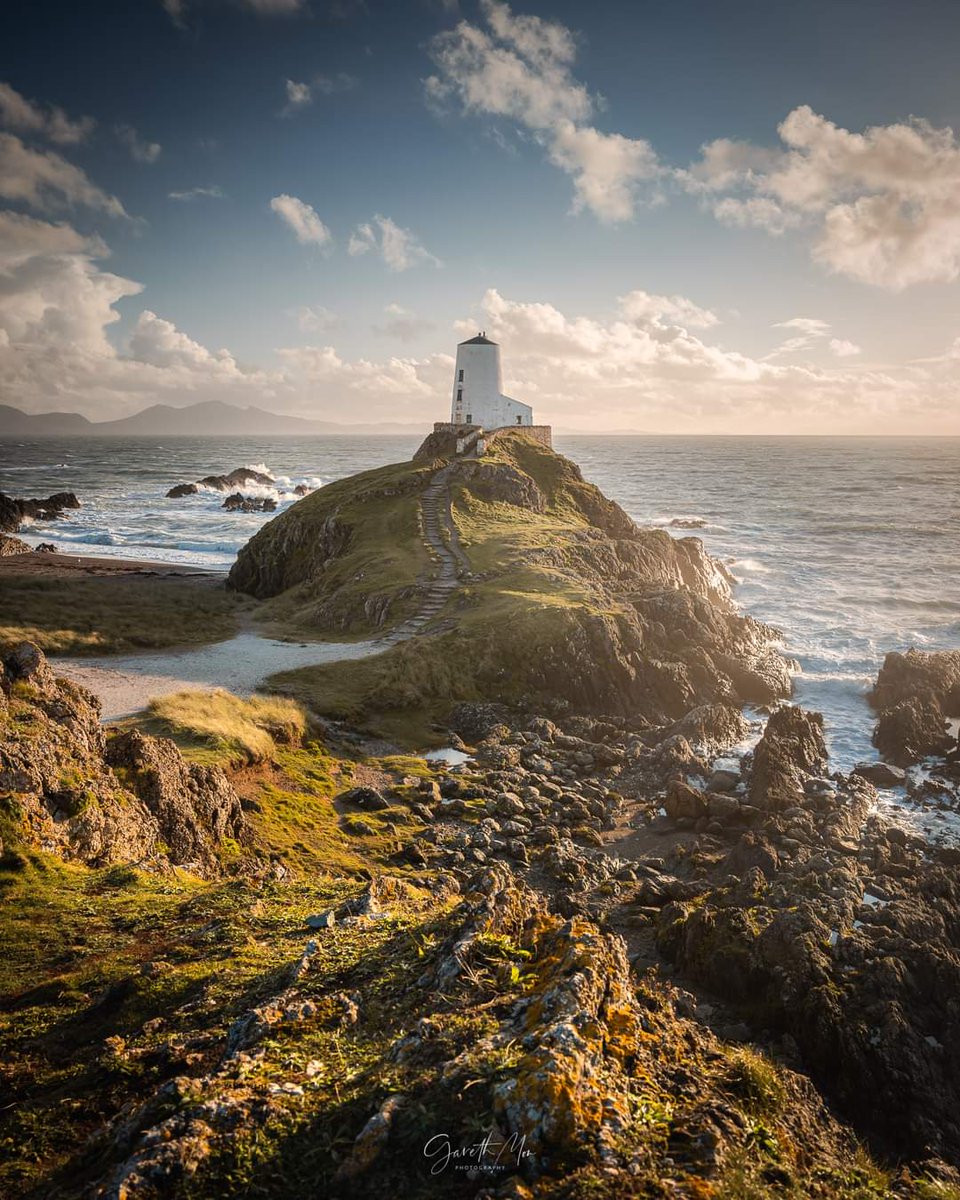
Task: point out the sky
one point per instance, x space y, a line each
695 217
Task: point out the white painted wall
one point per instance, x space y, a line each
478 397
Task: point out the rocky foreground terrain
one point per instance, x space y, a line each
255 951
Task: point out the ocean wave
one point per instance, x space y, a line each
41 467
750 564
262 468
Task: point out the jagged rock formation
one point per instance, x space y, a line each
14 512
239 478
237 502
70 788
915 694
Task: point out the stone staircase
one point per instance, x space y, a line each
435 523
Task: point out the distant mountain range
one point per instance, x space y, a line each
212 418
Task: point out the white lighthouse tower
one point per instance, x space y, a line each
478 397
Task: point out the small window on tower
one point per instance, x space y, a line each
460 377
519 420
459 394
469 418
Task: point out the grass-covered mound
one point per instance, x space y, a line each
566 604
346 559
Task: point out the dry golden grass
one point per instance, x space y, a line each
218 726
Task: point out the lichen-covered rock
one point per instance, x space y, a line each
70 793
12 545
580 1031
195 807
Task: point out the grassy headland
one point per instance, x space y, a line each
561 602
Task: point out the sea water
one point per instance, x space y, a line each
850 546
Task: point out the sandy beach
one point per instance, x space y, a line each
126 683
53 566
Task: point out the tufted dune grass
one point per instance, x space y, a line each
219 727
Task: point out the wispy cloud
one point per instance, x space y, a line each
402 324
302 219
811 333
198 193
141 150
399 248
45 181
519 67
47 121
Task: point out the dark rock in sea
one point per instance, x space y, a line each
915 694
302 489
46 548
882 774
240 503
14 512
241 477
12 545
688 523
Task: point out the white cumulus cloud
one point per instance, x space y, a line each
883 206
519 68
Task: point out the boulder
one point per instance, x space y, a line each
914 695
182 489
367 798
195 806
12 545
881 774
684 801
240 503
792 748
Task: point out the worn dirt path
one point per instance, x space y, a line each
125 684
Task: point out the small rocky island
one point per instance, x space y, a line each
614 942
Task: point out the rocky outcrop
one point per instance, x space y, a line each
13 513
195 807
72 791
914 695
791 750
307 545
12 545
239 478
248 504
